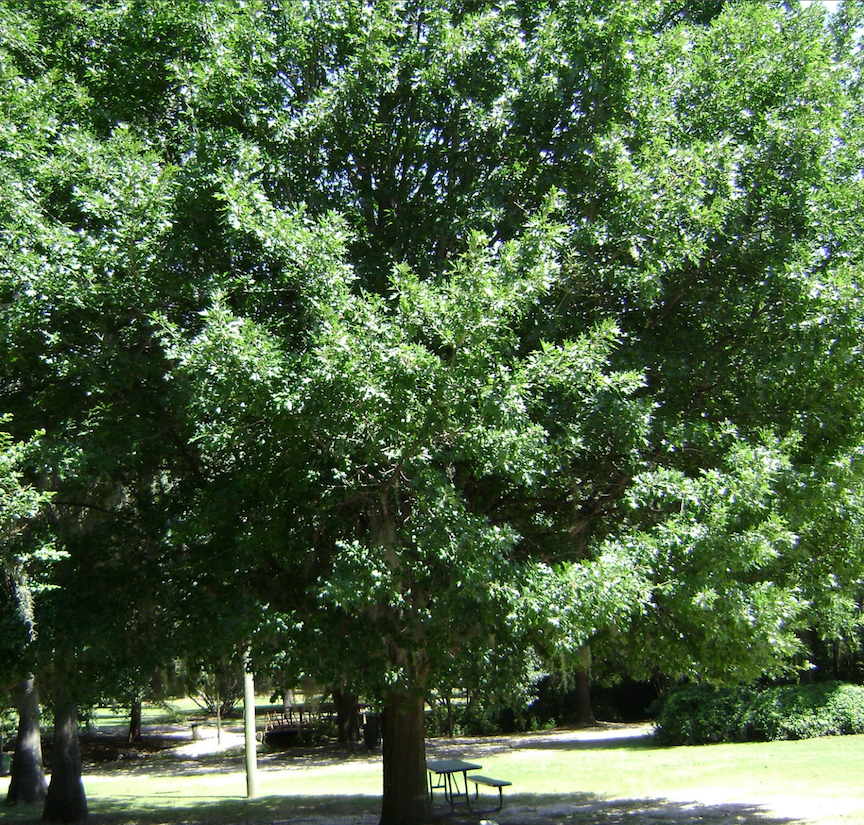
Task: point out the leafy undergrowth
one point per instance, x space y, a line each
704 714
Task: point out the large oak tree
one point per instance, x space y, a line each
442 336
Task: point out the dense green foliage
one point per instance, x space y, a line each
27 551
805 711
430 344
705 714
702 715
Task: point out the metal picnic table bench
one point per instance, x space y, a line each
492 783
447 771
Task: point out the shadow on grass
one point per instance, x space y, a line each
640 742
268 810
177 765
213 810
587 809
520 809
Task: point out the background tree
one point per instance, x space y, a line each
81 241
742 204
26 550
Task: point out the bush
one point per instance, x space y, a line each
704 714
805 712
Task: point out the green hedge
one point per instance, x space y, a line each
703 714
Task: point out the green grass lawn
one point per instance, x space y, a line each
830 766
544 772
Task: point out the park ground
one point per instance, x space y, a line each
603 775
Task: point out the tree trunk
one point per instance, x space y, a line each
406 797
583 688
66 800
251 743
135 720
582 678
27 785
347 715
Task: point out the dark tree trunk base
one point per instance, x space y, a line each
27 785
66 800
406 798
347 715
135 721
583 698
583 687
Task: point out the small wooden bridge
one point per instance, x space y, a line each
294 717
288 724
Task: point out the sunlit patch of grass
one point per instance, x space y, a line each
818 767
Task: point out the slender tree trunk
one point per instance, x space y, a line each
135 720
583 688
347 714
251 743
66 800
406 798
27 785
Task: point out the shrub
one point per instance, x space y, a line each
703 714
805 712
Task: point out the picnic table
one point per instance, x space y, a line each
447 771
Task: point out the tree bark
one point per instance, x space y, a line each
406 798
347 714
582 678
27 785
66 800
135 720
583 688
